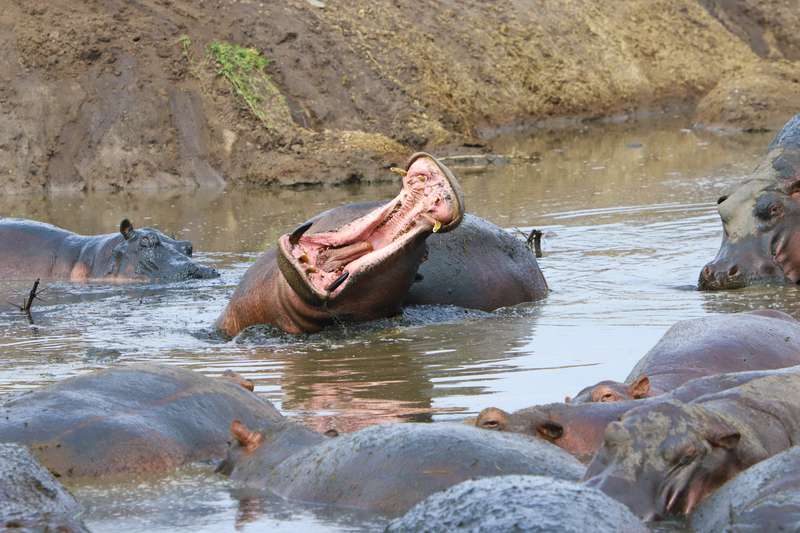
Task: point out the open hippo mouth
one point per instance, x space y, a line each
319 267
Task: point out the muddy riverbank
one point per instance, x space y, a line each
109 95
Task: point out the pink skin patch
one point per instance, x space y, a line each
426 203
787 256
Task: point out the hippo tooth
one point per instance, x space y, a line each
341 279
294 238
399 171
437 225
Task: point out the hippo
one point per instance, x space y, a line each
765 497
760 221
580 428
666 457
362 261
386 468
30 497
756 340
33 249
136 419
518 503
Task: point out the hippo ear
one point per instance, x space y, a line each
126 228
250 440
640 388
724 439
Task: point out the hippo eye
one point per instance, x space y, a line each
722 199
608 397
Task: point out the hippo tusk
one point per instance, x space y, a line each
341 279
437 225
294 238
399 171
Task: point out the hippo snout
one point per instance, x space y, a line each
196 271
716 276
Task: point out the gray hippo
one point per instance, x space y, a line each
30 497
385 468
580 428
365 261
666 457
31 250
136 419
535 504
760 221
765 497
756 340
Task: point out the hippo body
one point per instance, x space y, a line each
665 457
580 428
136 419
388 468
757 340
30 250
765 497
533 504
470 262
761 221
30 497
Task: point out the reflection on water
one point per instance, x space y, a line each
629 219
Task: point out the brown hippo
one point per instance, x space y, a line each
757 340
30 250
760 221
666 457
534 504
136 419
385 468
765 497
362 261
580 428
30 497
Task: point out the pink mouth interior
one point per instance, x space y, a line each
426 203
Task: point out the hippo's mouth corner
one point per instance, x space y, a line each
320 266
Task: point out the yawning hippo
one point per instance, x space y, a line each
530 504
31 499
30 250
137 419
579 428
757 340
666 457
362 261
761 221
385 468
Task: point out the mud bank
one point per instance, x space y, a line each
128 95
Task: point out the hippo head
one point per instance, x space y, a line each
577 429
364 269
761 222
613 391
148 254
665 458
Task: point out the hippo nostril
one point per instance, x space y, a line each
733 271
708 274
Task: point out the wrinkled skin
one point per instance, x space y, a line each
757 340
387 468
518 503
474 265
666 457
761 222
135 419
30 497
30 250
765 497
580 428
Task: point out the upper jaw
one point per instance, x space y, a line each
320 267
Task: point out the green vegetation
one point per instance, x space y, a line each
244 68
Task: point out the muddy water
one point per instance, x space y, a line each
629 218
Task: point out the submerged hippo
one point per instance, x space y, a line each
362 261
580 428
136 419
384 468
30 497
518 503
761 220
30 250
757 340
765 497
666 457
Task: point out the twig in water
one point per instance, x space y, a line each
534 241
28 302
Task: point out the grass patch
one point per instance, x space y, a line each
245 70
